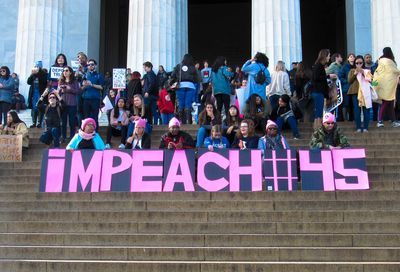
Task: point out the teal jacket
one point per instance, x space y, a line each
74 143
221 81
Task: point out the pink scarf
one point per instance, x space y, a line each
85 135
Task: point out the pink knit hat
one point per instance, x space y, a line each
270 123
329 117
88 121
140 123
174 122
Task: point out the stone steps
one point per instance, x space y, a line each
192 266
199 240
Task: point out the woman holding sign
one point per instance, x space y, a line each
15 126
56 71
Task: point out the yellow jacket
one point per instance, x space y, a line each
19 129
387 77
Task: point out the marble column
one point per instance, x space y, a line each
358 26
276 30
39 35
157 32
385 20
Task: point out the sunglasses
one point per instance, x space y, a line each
2 71
66 70
328 123
52 97
272 128
359 63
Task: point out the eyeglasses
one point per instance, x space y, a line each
359 63
66 70
91 64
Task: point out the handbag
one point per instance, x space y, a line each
374 95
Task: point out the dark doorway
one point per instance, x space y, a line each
220 27
113 34
323 25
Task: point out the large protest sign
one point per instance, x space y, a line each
75 64
339 95
220 170
280 170
56 72
11 148
119 78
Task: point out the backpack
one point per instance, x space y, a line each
260 76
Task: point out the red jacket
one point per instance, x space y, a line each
164 103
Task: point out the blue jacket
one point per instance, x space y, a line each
279 142
221 81
8 90
252 87
74 143
90 92
216 142
343 76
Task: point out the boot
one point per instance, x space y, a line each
188 116
182 117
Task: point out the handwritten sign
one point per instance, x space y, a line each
75 65
56 72
119 78
11 148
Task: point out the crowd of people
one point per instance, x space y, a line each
232 107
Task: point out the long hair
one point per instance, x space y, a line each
361 58
280 66
203 113
262 58
388 53
233 120
136 109
301 70
63 79
252 104
250 124
322 55
65 59
216 128
15 117
7 75
116 108
219 61
187 60
136 75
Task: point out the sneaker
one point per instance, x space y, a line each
32 126
108 146
296 137
121 146
39 126
359 130
365 130
380 124
396 124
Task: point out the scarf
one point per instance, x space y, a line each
86 136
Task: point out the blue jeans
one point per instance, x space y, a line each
165 117
357 113
292 123
201 135
318 104
152 101
50 135
131 127
91 109
70 114
185 98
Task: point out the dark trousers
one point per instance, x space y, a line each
91 109
4 108
112 131
70 114
223 100
152 102
35 114
387 111
50 135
